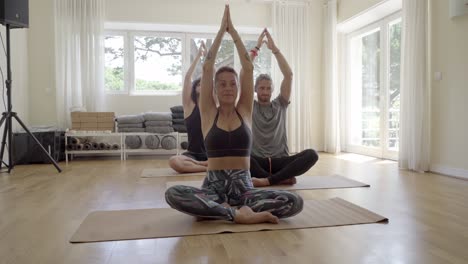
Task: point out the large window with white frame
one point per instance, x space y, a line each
373 88
154 63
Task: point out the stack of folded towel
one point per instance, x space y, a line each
130 123
178 119
158 122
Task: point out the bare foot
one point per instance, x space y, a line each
260 182
288 181
245 215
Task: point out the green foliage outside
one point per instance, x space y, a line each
145 47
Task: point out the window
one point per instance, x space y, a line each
154 63
114 63
373 89
157 63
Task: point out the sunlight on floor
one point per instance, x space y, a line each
355 158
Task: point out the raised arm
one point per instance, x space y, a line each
207 103
245 103
187 89
286 84
254 52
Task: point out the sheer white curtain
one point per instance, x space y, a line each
79 43
414 151
292 35
330 81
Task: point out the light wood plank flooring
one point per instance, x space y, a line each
40 209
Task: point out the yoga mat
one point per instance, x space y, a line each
167 222
166 172
303 183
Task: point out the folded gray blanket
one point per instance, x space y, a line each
168 142
180 128
177 115
159 130
131 129
152 141
136 125
178 121
133 142
130 119
157 116
158 123
177 109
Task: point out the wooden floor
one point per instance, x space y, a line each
40 209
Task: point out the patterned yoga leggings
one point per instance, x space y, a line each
235 188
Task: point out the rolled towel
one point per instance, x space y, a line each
152 142
79 146
184 145
177 109
168 142
70 147
133 142
159 130
74 140
157 116
102 145
130 119
158 123
95 145
115 146
88 146
108 146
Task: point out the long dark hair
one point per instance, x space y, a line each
194 94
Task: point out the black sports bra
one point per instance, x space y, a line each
194 132
222 143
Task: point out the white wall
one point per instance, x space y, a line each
449 96
449 55
350 8
205 12
41 63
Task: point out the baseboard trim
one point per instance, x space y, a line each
453 172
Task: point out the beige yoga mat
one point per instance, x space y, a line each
303 183
166 172
167 222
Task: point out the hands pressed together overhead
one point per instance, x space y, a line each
226 23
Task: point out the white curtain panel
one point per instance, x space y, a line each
292 35
79 48
414 153
330 81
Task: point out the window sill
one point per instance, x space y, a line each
158 93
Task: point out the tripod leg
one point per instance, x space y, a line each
5 131
38 143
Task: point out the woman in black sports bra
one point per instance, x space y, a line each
194 159
227 192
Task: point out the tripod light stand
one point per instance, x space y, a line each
9 115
